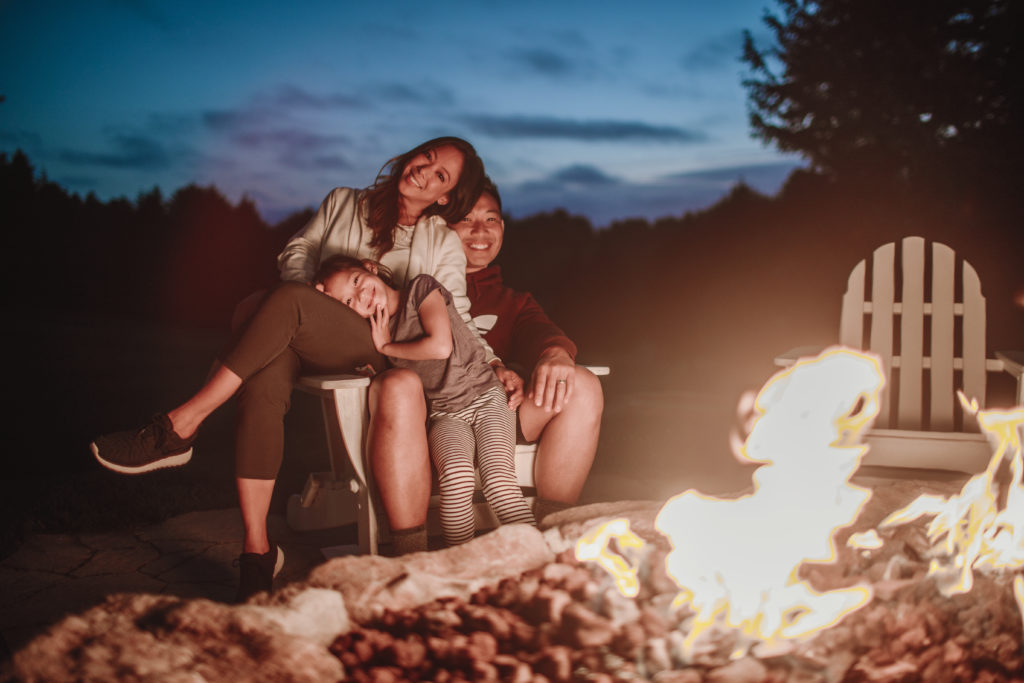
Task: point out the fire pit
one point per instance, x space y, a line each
568 621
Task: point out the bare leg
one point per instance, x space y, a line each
254 499
567 439
397 444
187 417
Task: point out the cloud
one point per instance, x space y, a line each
583 174
769 176
229 120
571 129
431 94
129 151
720 51
543 61
294 138
289 95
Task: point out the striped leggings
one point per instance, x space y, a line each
487 428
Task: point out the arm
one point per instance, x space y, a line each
545 347
450 271
336 214
436 341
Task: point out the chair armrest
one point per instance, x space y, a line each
332 382
1013 363
793 355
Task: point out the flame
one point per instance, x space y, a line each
983 526
736 561
594 546
1018 594
865 540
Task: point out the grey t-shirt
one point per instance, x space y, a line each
450 383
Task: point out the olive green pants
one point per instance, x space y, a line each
296 330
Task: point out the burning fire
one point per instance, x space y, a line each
736 562
738 559
983 526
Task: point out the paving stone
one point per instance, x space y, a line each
213 565
19 585
173 554
108 541
207 525
59 553
123 560
75 595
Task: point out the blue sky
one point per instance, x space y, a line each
611 110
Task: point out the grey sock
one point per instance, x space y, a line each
542 507
412 540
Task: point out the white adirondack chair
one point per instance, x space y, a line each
347 493
921 424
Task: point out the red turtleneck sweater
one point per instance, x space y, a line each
522 330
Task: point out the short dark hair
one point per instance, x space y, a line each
490 188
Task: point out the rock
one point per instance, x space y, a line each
370 585
315 614
149 637
746 670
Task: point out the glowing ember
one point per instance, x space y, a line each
593 546
983 526
737 560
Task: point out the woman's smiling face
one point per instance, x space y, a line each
430 175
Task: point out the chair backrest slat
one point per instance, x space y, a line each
941 418
974 339
882 298
915 361
851 316
911 335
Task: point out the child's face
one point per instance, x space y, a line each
360 290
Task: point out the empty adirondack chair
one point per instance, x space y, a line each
926 355
347 493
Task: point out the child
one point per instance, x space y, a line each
467 404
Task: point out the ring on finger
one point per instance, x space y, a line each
561 381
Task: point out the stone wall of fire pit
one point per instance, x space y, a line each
515 605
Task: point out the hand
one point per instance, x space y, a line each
552 382
513 385
380 332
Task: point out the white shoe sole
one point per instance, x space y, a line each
170 461
279 564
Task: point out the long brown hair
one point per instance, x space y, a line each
380 201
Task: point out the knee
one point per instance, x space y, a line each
264 392
588 396
396 388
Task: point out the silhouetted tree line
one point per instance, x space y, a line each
186 259
745 278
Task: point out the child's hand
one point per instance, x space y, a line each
380 332
513 385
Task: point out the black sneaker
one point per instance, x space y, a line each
151 448
256 572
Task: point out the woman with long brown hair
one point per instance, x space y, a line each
399 221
